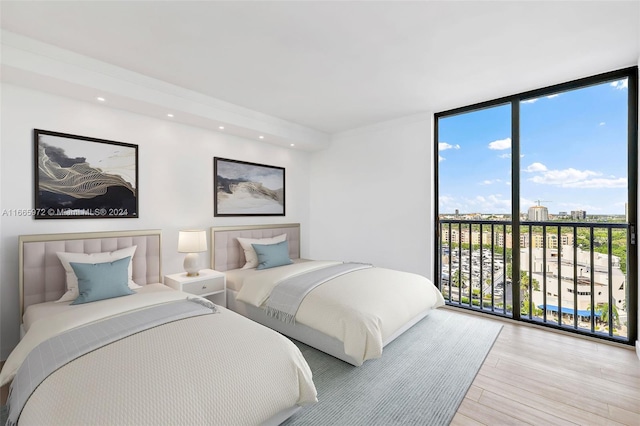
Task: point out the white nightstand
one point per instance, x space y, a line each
209 283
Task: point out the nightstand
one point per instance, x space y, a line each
210 284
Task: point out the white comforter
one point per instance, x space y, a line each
362 308
213 369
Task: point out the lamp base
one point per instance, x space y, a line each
191 265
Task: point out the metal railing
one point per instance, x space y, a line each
572 275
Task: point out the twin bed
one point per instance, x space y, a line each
209 366
205 364
351 317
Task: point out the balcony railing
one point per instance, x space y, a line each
572 275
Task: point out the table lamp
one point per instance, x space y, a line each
192 241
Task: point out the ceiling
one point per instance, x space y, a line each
337 65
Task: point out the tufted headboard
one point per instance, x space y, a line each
226 252
42 277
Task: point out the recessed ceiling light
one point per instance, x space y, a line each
221 127
293 144
100 99
170 115
261 137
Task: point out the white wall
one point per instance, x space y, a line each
371 196
175 173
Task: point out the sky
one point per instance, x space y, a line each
573 154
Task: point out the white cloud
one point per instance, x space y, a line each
564 178
602 123
599 183
441 158
494 203
525 203
534 100
573 178
620 84
443 146
500 144
490 182
490 203
567 207
536 167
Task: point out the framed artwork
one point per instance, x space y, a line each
81 177
247 189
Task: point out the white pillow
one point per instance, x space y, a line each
72 281
250 254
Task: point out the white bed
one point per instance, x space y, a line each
351 317
218 368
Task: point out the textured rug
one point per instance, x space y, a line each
421 378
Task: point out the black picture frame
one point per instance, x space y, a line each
79 177
242 188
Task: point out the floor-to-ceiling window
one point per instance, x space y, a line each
536 206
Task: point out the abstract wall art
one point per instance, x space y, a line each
247 189
83 177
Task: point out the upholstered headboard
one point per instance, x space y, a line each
226 252
42 277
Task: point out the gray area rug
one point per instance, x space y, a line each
421 378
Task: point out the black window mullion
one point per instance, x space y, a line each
515 206
631 74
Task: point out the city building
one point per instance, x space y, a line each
538 213
578 214
563 267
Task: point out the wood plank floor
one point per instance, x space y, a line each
534 376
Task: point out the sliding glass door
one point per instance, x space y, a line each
536 206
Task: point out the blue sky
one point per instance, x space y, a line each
573 149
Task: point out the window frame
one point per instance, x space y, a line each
631 73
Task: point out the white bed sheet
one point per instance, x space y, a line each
213 369
47 309
236 277
363 309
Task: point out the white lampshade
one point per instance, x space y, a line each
192 241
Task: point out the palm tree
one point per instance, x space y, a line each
524 279
455 279
524 282
603 310
458 279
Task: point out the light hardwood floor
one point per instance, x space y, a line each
538 377
534 376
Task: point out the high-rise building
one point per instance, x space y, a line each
538 213
578 214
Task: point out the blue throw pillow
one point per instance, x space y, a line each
98 281
272 255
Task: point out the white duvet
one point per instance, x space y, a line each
212 369
362 308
